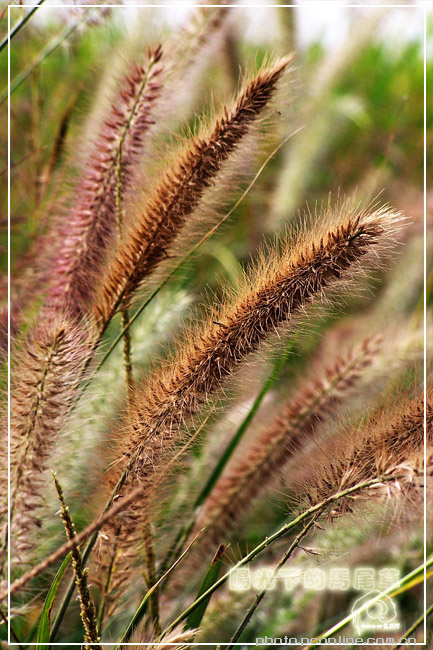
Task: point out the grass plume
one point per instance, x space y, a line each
275 293
180 191
381 448
88 232
143 174
257 465
45 379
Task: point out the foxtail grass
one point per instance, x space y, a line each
179 192
384 446
45 380
275 293
258 464
88 233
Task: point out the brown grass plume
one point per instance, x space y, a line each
88 231
385 447
257 464
275 293
180 191
44 381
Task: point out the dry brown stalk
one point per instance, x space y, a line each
275 293
60 553
179 192
87 607
257 465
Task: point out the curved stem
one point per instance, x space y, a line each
389 591
269 540
262 594
413 627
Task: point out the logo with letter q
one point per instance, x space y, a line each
378 614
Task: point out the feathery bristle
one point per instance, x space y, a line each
179 192
258 464
45 381
274 295
89 230
382 448
178 639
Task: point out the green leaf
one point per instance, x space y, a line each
194 619
44 623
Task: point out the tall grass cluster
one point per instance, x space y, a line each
216 333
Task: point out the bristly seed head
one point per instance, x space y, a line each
179 192
275 293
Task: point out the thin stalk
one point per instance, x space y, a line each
13 633
18 27
413 627
92 532
262 594
101 610
269 540
143 605
182 535
151 579
127 343
52 45
415 581
87 607
77 540
86 553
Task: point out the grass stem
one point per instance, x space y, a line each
19 25
258 599
272 538
415 625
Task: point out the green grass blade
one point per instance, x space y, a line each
18 27
141 610
44 623
194 619
413 627
52 45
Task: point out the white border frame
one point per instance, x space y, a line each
421 4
